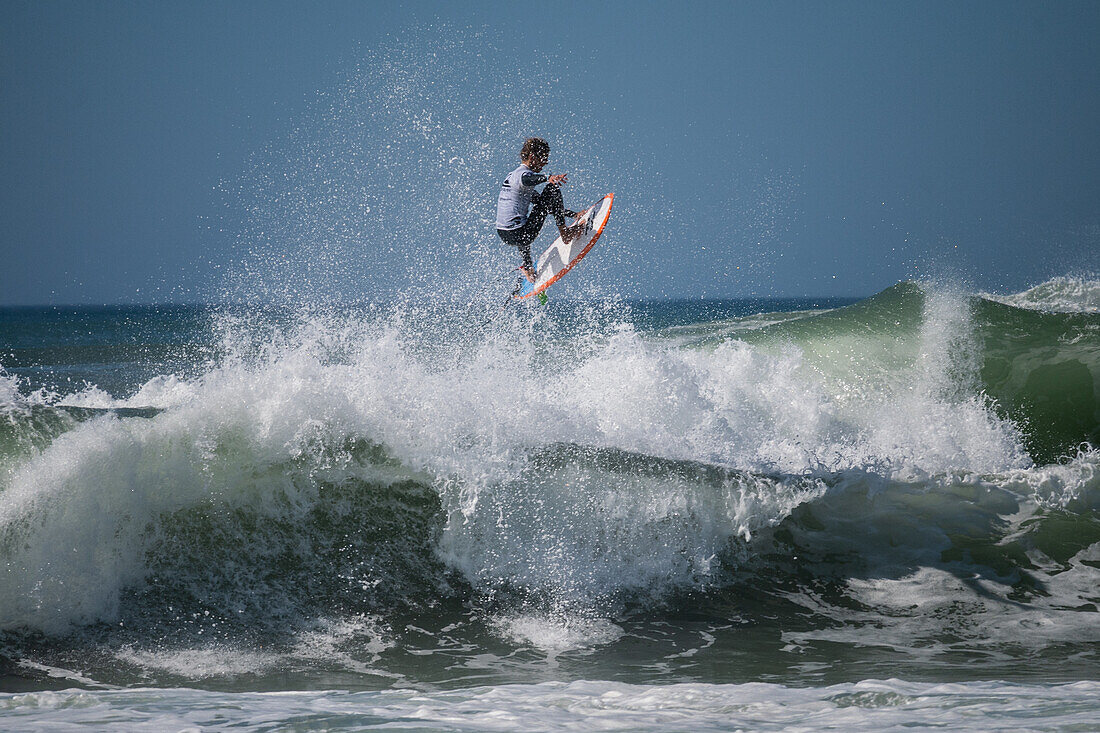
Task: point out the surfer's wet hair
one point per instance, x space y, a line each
535 147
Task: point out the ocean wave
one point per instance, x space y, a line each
341 466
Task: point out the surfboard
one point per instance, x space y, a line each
561 257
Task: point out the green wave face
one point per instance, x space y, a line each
1041 370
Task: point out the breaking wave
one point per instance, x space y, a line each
875 466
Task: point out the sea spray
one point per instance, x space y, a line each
940 419
386 187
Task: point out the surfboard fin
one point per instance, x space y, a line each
543 298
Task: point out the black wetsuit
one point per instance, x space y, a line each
516 191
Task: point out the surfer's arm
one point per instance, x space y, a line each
530 178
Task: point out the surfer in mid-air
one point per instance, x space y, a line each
522 210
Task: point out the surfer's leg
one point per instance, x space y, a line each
549 202
527 235
525 252
521 239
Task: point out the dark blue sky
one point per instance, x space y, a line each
183 152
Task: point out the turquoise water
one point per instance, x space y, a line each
869 514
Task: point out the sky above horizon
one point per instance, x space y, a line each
159 152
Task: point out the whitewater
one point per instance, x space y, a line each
869 514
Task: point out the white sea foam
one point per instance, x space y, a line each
560 633
160 392
204 663
870 705
16 398
933 613
350 644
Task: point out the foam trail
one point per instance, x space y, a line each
869 705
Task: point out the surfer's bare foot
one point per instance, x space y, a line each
529 273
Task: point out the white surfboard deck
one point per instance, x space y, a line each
560 257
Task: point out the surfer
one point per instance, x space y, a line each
522 210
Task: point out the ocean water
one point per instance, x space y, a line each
864 514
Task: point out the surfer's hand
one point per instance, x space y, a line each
557 179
